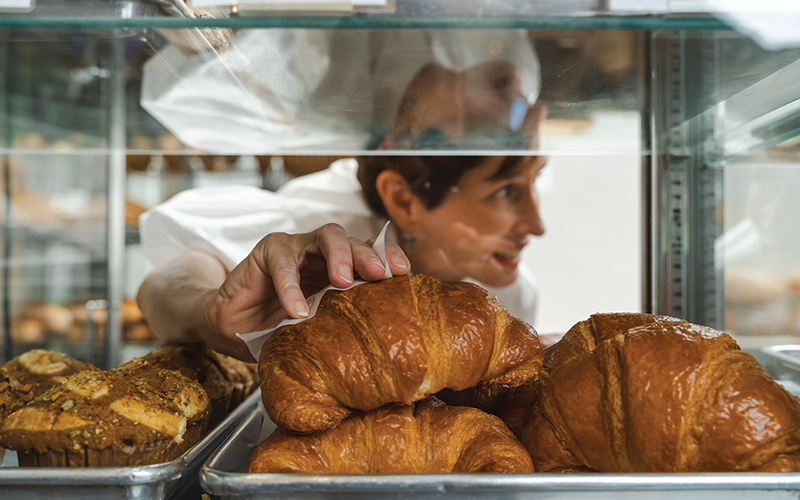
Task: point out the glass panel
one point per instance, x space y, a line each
54 224
405 14
760 249
322 92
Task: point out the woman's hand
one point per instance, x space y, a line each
190 299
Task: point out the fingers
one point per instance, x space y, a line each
397 259
289 256
334 246
282 259
368 264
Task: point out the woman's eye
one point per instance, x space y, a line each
503 192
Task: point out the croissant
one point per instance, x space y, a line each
643 393
428 437
394 341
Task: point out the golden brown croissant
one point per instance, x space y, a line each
393 341
429 437
642 393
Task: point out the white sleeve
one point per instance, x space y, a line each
271 90
228 221
225 221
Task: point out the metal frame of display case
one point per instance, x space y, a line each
692 140
686 182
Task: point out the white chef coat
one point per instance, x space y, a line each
228 221
292 89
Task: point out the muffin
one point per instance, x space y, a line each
227 380
241 377
192 362
125 417
13 395
43 369
171 384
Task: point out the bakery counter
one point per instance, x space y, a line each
223 477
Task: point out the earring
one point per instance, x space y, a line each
408 241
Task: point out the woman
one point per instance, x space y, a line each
455 217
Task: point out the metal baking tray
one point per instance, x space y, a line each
170 480
223 477
783 364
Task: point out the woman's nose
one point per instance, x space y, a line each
530 217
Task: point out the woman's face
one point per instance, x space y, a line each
482 226
458 104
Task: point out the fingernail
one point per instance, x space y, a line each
301 309
379 264
345 273
399 262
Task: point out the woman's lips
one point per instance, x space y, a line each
508 259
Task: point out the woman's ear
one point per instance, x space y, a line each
401 204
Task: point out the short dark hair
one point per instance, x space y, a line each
430 178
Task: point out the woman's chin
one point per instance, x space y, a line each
498 276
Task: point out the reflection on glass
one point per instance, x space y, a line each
760 252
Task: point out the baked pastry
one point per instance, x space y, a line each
227 381
192 361
173 386
27 331
55 318
13 395
98 418
130 312
644 393
139 332
512 404
397 340
240 376
428 437
43 369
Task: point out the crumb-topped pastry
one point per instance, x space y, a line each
228 381
13 395
171 384
43 369
192 362
97 418
241 377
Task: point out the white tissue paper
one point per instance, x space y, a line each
255 340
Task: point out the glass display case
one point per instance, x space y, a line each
670 139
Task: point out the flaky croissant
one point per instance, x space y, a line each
428 437
643 393
394 341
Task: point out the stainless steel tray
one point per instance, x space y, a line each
783 363
223 477
175 479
